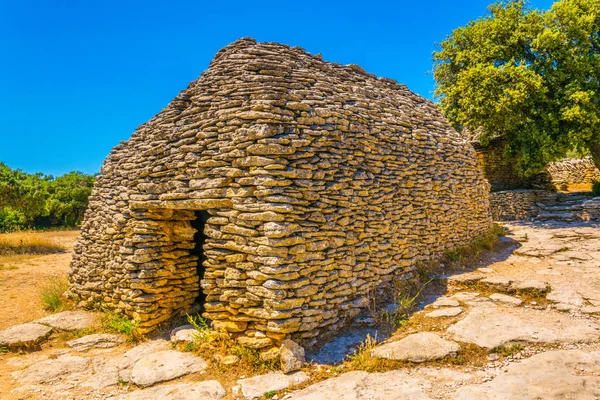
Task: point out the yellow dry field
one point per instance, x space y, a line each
22 276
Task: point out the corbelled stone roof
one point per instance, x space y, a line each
321 182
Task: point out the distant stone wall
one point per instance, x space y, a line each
321 183
519 204
573 174
566 175
500 173
591 210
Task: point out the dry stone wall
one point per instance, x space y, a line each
500 173
322 182
573 174
510 205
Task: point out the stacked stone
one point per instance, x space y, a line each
500 173
322 182
591 210
511 205
573 172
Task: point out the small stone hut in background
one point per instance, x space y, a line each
276 192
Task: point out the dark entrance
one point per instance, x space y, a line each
198 250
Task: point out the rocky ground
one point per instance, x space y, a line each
524 325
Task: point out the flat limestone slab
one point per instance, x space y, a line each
491 326
361 385
53 370
185 333
164 366
208 390
69 320
445 302
98 341
418 347
24 335
445 312
506 299
564 374
257 386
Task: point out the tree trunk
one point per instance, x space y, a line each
595 150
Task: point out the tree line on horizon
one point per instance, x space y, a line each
39 201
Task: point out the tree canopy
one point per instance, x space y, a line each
38 200
529 76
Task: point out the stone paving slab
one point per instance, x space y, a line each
164 366
491 326
208 390
257 386
554 375
24 335
360 385
98 341
418 347
69 320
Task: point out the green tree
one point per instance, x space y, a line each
69 197
530 76
38 200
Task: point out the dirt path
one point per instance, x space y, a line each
22 276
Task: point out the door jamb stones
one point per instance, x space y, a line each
163 274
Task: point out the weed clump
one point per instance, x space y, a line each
215 345
116 323
51 294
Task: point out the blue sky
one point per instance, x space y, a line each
77 77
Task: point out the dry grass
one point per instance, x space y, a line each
51 294
28 243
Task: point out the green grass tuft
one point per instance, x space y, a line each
118 323
52 292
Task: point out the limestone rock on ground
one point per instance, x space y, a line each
361 385
464 296
595 310
445 312
164 366
123 364
465 279
52 370
107 371
207 390
570 297
497 282
291 356
98 341
492 326
69 320
24 335
418 347
185 333
445 302
554 375
530 286
257 386
506 299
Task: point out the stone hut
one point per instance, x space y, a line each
275 193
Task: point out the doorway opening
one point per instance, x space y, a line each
199 239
